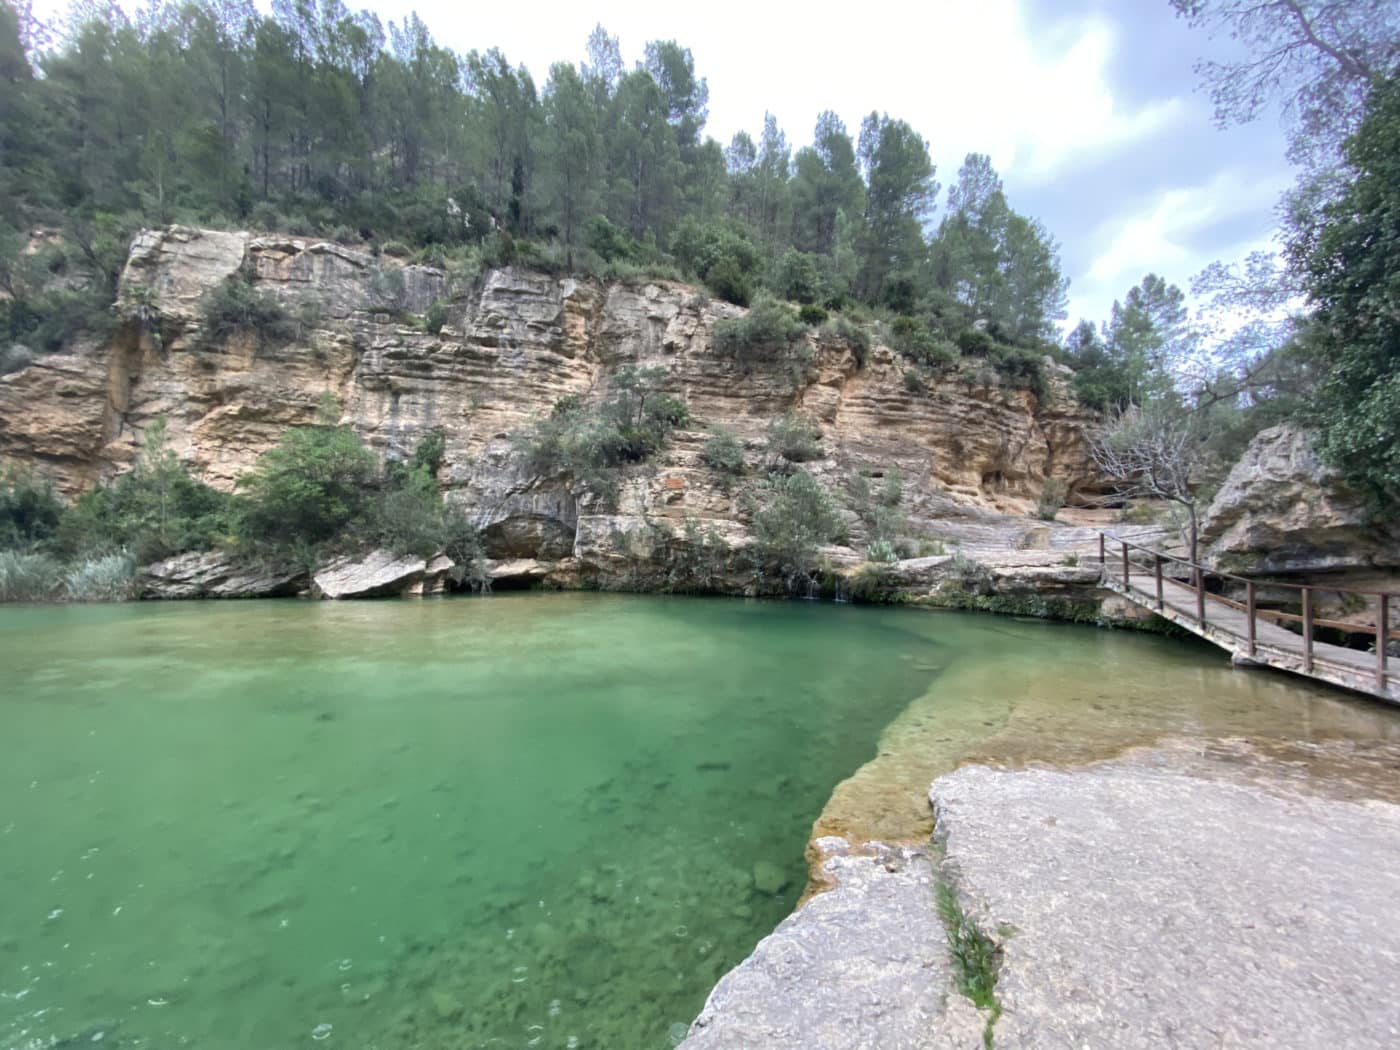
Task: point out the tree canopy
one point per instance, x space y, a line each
314 118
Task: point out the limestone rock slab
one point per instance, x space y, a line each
1151 908
860 967
213 574
378 574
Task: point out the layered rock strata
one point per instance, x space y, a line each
973 457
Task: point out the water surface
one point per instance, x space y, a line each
537 820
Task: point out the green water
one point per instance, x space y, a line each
521 821
527 820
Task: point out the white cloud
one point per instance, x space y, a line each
977 76
1171 235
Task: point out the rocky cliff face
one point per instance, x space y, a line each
1281 510
973 458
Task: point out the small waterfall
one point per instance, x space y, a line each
843 590
813 593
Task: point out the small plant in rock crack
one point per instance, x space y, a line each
975 957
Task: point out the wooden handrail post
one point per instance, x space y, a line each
1250 602
1157 571
1307 630
1382 639
1200 596
1101 541
1125 565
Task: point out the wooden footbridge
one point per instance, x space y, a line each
1178 590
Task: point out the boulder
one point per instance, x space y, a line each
381 574
1281 509
213 574
518 571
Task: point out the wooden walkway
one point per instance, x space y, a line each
1250 639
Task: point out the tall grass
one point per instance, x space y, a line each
27 577
107 579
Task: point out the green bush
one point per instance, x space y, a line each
27 577
29 510
307 489
914 381
1024 369
430 451
435 317
811 314
975 343
719 255
1052 499
409 517
610 243
723 452
912 338
234 306
791 519
767 331
397 249
878 507
110 578
795 438
152 511
797 277
698 560
855 337
14 357
591 442
881 551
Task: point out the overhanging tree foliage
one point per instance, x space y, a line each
1355 287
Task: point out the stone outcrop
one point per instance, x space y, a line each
1147 906
381 574
863 966
212 574
973 457
1281 510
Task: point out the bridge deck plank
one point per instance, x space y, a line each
1276 646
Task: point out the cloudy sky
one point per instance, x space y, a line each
1088 108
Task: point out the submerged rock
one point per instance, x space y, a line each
769 878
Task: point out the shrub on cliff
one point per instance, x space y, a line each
797 277
792 517
234 306
768 330
719 255
1024 369
1052 499
913 339
723 452
795 438
591 442
408 515
853 335
878 507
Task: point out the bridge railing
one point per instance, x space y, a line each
1151 562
